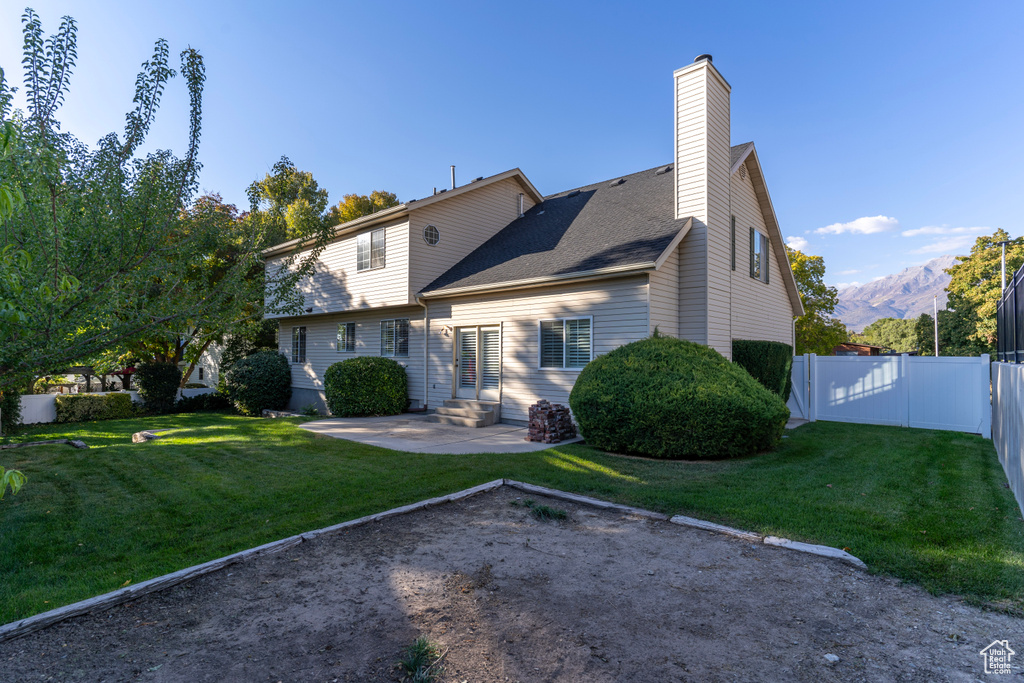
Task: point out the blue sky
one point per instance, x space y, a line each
889 132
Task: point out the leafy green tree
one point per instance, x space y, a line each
975 287
817 331
353 206
892 333
955 335
103 252
287 203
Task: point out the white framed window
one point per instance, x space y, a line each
394 337
346 337
565 343
298 344
759 265
370 250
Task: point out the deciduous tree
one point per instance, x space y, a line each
353 206
816 330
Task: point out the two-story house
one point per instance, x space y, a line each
491 292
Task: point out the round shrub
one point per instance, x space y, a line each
258 381
366 385
158 385
667 398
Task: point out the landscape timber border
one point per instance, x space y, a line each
122 595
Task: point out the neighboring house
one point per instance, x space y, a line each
854 349
492 292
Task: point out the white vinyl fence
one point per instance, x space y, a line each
38 408
1008 423
951 393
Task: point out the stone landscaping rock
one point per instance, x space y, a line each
142 437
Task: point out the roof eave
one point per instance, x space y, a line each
597 273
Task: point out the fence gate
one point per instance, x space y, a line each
951 393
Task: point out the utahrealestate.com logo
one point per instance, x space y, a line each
997 657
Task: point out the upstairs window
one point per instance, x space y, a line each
566 343
346 337
370 250
298 344
394 337
759 265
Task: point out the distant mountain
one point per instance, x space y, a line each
907 294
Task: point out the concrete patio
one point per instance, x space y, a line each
412 433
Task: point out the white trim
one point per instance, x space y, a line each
564 338
660 261
408 323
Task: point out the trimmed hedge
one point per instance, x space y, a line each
667 398
202 403
366 385
258 381
769 362
88 407
158 385
10 410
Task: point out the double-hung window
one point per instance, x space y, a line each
346 337
567 343
298 344
370 250
394 337
759 265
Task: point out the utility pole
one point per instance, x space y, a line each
1003 245
935 309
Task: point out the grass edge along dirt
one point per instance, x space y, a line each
924 506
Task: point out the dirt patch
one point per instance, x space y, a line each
598 597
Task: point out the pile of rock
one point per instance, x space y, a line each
550 423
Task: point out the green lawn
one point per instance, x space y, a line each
929 507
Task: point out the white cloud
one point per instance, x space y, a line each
798 243
943 230
867 225
945 246
853 271
844 285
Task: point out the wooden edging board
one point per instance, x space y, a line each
122 595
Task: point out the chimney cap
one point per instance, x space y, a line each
701 58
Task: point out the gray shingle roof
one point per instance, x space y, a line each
598 226
737 151
602 225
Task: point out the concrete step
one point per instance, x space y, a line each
456 420
466 412
467 404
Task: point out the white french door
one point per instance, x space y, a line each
478 363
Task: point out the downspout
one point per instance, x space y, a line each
426 346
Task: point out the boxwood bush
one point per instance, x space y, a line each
87 407
667 398
366 385
158 385
258 381
202 403
769 362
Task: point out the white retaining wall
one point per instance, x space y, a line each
39 408
1008 423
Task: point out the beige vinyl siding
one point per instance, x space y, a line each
464 222
719 336
618 308
663 293
337 286
759 311
322 345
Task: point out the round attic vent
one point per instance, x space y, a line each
431 235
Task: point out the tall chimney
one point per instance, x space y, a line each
453 176
702 192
